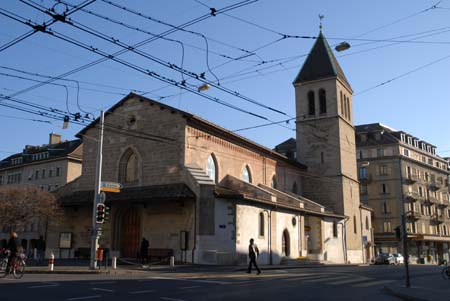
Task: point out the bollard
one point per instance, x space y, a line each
51 262
172 261
114 262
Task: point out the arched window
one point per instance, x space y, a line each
335 229
354 224
311 103
211 168
294 188
274 182
342 104
367 223
285 243
347 103
322 101
246 175
261 224
128 168
131 172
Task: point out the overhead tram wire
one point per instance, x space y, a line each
158 60
147 72
142 43
45 24
216 12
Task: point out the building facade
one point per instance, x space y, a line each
48 166
402 174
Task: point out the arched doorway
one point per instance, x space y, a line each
285 243
130 233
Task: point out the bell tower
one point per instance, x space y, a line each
326 139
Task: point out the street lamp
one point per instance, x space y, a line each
342 46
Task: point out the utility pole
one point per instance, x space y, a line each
404 232
98 179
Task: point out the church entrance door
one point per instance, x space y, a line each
130 233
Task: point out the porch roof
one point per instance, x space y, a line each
140 194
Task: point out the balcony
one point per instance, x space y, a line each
411 196
437 219
413 215
411 179
365 180
443 204
434 185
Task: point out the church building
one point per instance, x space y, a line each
202 191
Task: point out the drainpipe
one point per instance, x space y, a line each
362 243
344 238
269 238
195 230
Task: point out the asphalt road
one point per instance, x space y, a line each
319 283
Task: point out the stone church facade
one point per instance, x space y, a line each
203 191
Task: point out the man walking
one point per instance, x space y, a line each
253 253
144 250
40 248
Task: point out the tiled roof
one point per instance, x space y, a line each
320 63
57 150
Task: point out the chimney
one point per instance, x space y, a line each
54 138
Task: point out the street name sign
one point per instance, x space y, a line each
110 186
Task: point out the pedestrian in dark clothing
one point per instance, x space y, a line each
14 246
253 253
40 247
144 250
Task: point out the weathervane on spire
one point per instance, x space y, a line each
321 17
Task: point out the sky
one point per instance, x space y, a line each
398 64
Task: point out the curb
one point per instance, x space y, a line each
402 295
66 272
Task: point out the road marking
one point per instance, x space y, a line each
171 299
300 278
191 280
102 289
44 285
83 298
372 283
103 282
324 279
359 279
189 287
142 292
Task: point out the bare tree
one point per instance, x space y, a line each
22 205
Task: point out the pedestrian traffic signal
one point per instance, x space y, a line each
100 216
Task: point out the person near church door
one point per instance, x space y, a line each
253 253
144 250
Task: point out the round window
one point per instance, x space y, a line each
131 120
294 221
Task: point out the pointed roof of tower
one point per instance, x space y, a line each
320 64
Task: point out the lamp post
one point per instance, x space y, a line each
98 176
404 232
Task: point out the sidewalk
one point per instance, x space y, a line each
417 293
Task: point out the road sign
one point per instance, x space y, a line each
102 198
110 186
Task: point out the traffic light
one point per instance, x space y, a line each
101 212
107 209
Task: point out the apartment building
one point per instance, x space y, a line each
47 166
402 174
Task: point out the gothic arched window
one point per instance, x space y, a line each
322 101
246 174
311 103
274 182
261 224
128 168
211 168
294 188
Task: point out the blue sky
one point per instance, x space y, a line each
398 64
